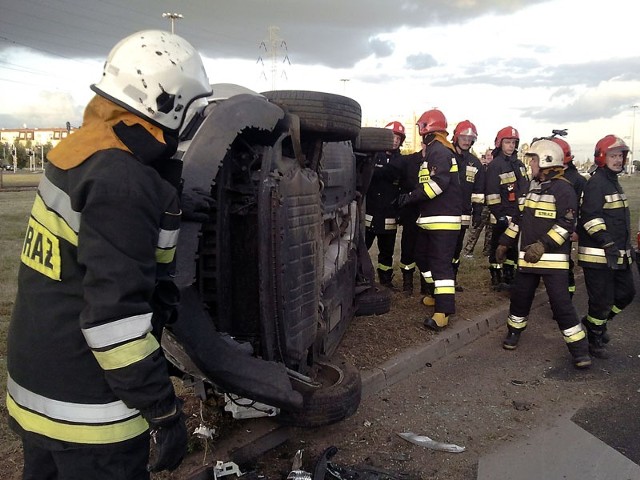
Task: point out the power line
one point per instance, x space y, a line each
275 44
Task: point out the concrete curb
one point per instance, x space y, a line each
445 343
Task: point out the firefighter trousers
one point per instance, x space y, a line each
408 246
386 245
123 462
608 290
523 290
434 251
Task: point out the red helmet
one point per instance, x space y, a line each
465 127
507 132
566 149
431 121
607 144
397 128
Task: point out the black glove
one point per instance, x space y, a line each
476 219
501 253
169 434
404 199
612 254
502 222
196 205
533 253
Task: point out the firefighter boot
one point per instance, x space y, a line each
437 322
595 333
510 342
407 282
496 277
429 299
424 286
580 352
508 274
384 277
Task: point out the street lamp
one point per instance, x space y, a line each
344 84
173 17
633 140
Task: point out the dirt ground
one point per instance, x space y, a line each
479 398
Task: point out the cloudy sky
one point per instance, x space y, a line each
533 64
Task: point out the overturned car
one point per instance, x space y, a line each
271 280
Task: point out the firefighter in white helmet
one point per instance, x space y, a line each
544 229
87 379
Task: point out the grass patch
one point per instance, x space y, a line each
20 179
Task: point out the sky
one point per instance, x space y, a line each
536 65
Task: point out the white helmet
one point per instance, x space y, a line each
156 75
549 153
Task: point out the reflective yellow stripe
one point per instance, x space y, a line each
517 322
84 434
52 222
573 334
165 256
127 354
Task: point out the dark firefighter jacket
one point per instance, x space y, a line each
572 174
438 194
548 216
472 180
82 360
507 183
405 168
382 196
604 218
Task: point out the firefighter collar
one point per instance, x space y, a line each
97 133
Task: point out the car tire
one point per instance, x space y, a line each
374 301
329 117
337 398
374 139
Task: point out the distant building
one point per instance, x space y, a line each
34 136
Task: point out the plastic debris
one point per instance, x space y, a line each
222 469
204 432
423 441
296 469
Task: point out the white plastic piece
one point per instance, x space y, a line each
423 441
242 408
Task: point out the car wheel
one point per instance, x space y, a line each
327 116
336 397
374 139
373 301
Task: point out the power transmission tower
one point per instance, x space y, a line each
272 48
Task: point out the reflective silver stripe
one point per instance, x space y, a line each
69 412
445 283
465 218
119 331
516 319
168 238
439 219
592 223
390 221
572 331
617 197
591 250
368 217
541 198
549 257
58 201
477 198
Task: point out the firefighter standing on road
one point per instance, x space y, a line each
439 198
543 229
604 248
382 206
472 181
86 375
507 183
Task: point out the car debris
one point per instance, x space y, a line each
427 442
